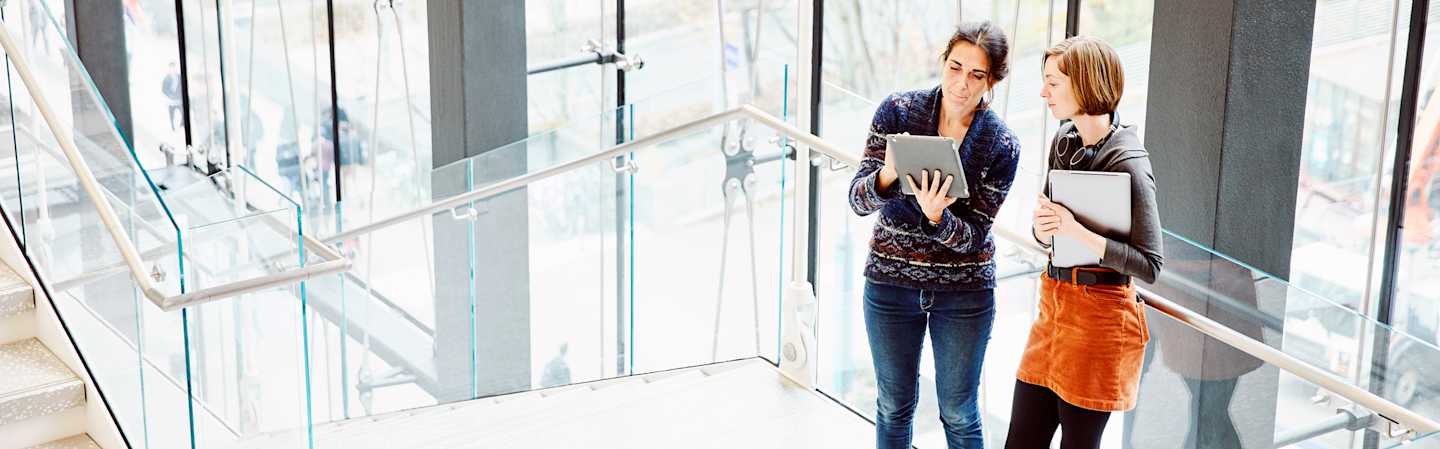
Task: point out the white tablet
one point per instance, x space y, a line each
1100 201
914 154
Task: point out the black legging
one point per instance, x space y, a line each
1036 413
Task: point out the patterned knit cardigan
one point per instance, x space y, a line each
906 250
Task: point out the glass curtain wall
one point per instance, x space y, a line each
1416 305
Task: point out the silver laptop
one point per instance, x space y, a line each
1099 200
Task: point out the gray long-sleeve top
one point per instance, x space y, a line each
1139 254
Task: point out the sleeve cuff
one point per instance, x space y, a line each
872 183
1113 250
946 229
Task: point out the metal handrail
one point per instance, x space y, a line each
517 182
333 262
1364 398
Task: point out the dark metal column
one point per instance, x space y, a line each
478 91
97 29
1228 83
817 33
1225 117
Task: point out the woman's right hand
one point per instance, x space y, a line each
1047 222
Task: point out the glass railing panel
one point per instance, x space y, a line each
1331 335
402 280
368 356
568 274
402 336
568 279
403 331
56 200
12 184
1197 391
542 150
524 294
110 329
247 355
250 371
537 152
211 351
705 197
236 228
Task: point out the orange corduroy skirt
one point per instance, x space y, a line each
1087 345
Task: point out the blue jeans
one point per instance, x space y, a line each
959 323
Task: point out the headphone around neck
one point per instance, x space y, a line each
1072 153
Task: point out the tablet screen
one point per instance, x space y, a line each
916 154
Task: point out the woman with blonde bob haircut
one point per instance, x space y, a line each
1084 355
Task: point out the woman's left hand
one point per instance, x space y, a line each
1068 227
930 193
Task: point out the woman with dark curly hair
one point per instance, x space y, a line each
931 262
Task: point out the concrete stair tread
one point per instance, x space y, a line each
502 420
526 400
496 412
33 382
81 441
726 380
581 396
745 405
517 406
16 296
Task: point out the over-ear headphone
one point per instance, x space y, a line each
1072 153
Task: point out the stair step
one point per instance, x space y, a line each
414 427
35 383
16 297
81 441
606 401
676 392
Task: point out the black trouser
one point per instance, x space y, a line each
1036 413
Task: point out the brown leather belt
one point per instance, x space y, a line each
1087 275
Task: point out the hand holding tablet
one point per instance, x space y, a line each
920 156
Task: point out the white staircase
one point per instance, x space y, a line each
42 403
746 403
